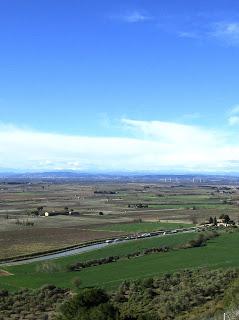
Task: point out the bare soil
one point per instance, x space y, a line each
23 242
4 273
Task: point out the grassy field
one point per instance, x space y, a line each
219 252
144 226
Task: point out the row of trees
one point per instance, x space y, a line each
77 266
148 251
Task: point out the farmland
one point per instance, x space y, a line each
105 209
114 210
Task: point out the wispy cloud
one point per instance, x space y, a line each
200 27
150 145
189 35
227 32
134 17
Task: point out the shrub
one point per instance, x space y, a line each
90 304
200 241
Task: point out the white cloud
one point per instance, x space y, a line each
135 17
156 145
188 34
171 132
227 32
221 31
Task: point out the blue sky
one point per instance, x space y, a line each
126 85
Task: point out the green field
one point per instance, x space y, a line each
219 252
143 226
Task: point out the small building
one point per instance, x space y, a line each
222 223
51 213
73 213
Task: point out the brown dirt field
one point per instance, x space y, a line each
23 242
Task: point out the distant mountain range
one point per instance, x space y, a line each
117 176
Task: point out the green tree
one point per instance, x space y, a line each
90 304
215 221
39 209
227 218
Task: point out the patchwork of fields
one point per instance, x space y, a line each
106 209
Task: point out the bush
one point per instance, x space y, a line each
200 241
77 282
90 304
48 287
